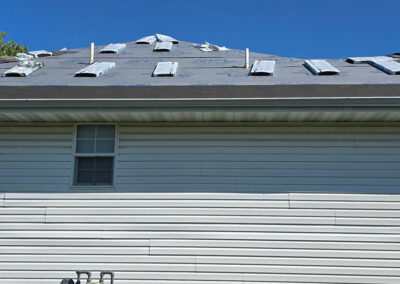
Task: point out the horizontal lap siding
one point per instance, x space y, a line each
35 157
212 205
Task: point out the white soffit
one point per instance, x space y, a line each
321 67
163 46
161 38
390 67
147 40
95 70
23 69
263 68
165 69
40 53
113 48
358 60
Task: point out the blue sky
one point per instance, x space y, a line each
297 28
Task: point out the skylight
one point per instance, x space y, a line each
23 69
40 53
263 68
390 67
113 48
358 60
321 67
95 70
165 69
163 46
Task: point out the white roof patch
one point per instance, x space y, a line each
390 67
163 46
40 53
263 68
165 69
358 60
23 69
113 48
321 67
95 70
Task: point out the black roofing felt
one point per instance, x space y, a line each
135 64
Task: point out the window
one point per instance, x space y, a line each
94 155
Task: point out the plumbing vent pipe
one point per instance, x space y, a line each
91 52
247 60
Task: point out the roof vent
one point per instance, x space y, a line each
23 69
163 46
321 67
161 38
95 70
40 53
390 67
358 60
208 47
146 40
263 68
113 48
24 56
156 37
165 69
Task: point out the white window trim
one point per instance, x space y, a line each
73 186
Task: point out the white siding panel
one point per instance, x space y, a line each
213 205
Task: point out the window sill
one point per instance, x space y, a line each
77 187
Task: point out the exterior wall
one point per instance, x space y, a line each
206 205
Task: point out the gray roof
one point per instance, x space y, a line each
135 64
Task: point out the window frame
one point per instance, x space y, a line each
75 155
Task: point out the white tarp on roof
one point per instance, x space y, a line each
40 53
263 67
113 48
321 67
163 46
356 60
208 47
23 69
95 70
390 67
165 69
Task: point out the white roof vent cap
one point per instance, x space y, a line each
165 69
113 48
321 67
163 46
263 68
390 67
23 69
95 70
40 53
